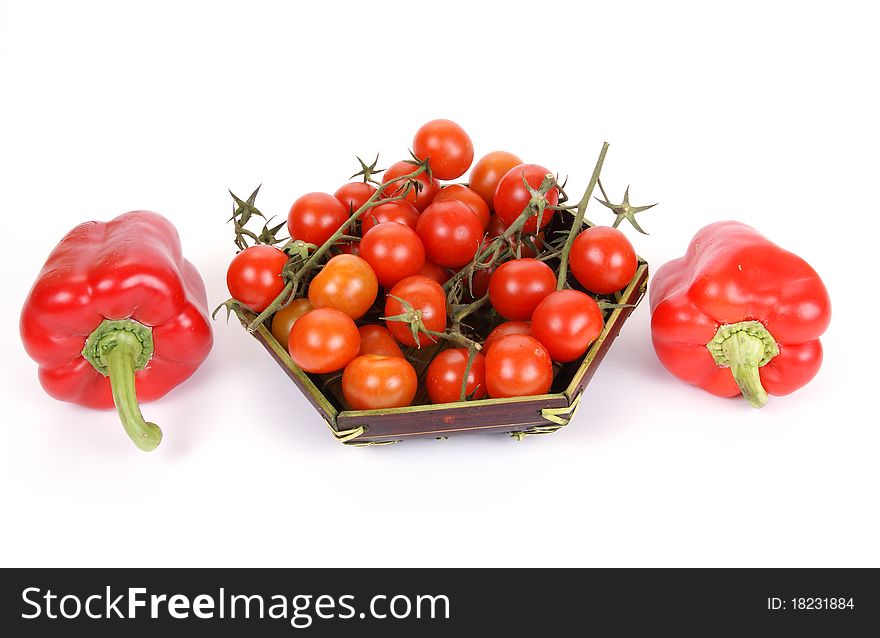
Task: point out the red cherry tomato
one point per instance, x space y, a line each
374 382
394 251
446 146
422 294
488 171
419 197
450 232
566 322
465 195
314 217
602 260
283 320
254 276
354 195
400 211
438 273
444 375
518 286
346 283
511 196
323 340
378 340
518 366
504 329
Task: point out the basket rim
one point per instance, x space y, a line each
332 414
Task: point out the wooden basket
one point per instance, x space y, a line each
518 417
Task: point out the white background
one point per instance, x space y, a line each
763 112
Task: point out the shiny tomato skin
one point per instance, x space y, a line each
323 340
375 382
488 171
347 283
504 329
422 197
517 366
444 375
283 320
518 286
354 195
511 196
450 232
603 260
378 340
465 195
566 322
394 251
254 276
400 211
446 146
314 217
422 294
434 271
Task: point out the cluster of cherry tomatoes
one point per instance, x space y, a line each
410 239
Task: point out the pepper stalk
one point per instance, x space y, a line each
118 349
744 347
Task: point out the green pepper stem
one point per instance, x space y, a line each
120 364
744 347
117 349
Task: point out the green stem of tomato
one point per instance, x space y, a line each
579 219
281 301
473 348
288 293
455 338
469 309
472 354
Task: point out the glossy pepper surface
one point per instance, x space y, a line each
117 316
738 314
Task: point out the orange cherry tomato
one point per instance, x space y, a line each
283 320
323 340
346 283
374 381
488 171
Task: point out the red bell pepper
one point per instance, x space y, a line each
738 314
117 316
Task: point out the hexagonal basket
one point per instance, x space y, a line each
518 417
